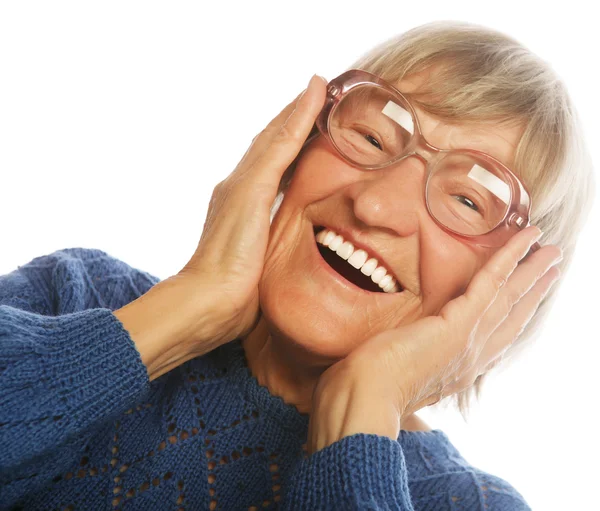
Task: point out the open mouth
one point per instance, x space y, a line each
354 265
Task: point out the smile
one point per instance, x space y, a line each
354 264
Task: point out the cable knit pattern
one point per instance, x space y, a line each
82 428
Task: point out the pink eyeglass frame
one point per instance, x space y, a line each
518 212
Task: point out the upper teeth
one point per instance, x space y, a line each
359 259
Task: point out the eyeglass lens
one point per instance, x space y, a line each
371 126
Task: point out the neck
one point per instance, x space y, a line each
284 367
289 371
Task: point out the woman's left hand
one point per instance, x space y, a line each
399 371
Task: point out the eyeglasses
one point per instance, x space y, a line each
468 193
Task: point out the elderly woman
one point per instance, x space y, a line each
371 254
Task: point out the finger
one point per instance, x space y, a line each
487 282
519 283
535 247
287 142
463 382
520 315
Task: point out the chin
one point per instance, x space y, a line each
315 320
305 324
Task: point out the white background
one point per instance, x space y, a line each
118 118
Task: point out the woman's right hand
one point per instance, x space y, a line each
228 262
214 298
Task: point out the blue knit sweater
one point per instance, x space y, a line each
82 428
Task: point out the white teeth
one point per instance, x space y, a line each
369 267
389 287
335 243
358 258
328 237
384 281
378 274
345 250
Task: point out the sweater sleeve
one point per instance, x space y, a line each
359 472
60 375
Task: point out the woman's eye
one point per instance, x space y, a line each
372 140
467 202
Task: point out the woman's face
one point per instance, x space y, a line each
384 212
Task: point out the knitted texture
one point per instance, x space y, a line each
82 428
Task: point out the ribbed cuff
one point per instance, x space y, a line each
62 376
101 374
362 471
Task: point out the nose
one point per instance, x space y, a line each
392 197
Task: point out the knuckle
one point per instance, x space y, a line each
493 364
222 189
285 133
218 189
512 296
266 133
269 130
542 272
498 280
222 186
456 386
507 302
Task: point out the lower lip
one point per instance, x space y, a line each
341 281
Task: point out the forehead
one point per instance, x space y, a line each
496 140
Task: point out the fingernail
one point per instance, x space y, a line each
318 77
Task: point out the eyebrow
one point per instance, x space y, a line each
484 146
478 144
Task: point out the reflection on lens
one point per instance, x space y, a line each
467 195
371 126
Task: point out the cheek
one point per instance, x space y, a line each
439 284
319 174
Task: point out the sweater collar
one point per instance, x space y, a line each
266 403
292 420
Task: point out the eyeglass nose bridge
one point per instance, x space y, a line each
427 153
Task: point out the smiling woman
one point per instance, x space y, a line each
392 218
514 110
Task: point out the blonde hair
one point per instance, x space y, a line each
483 76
